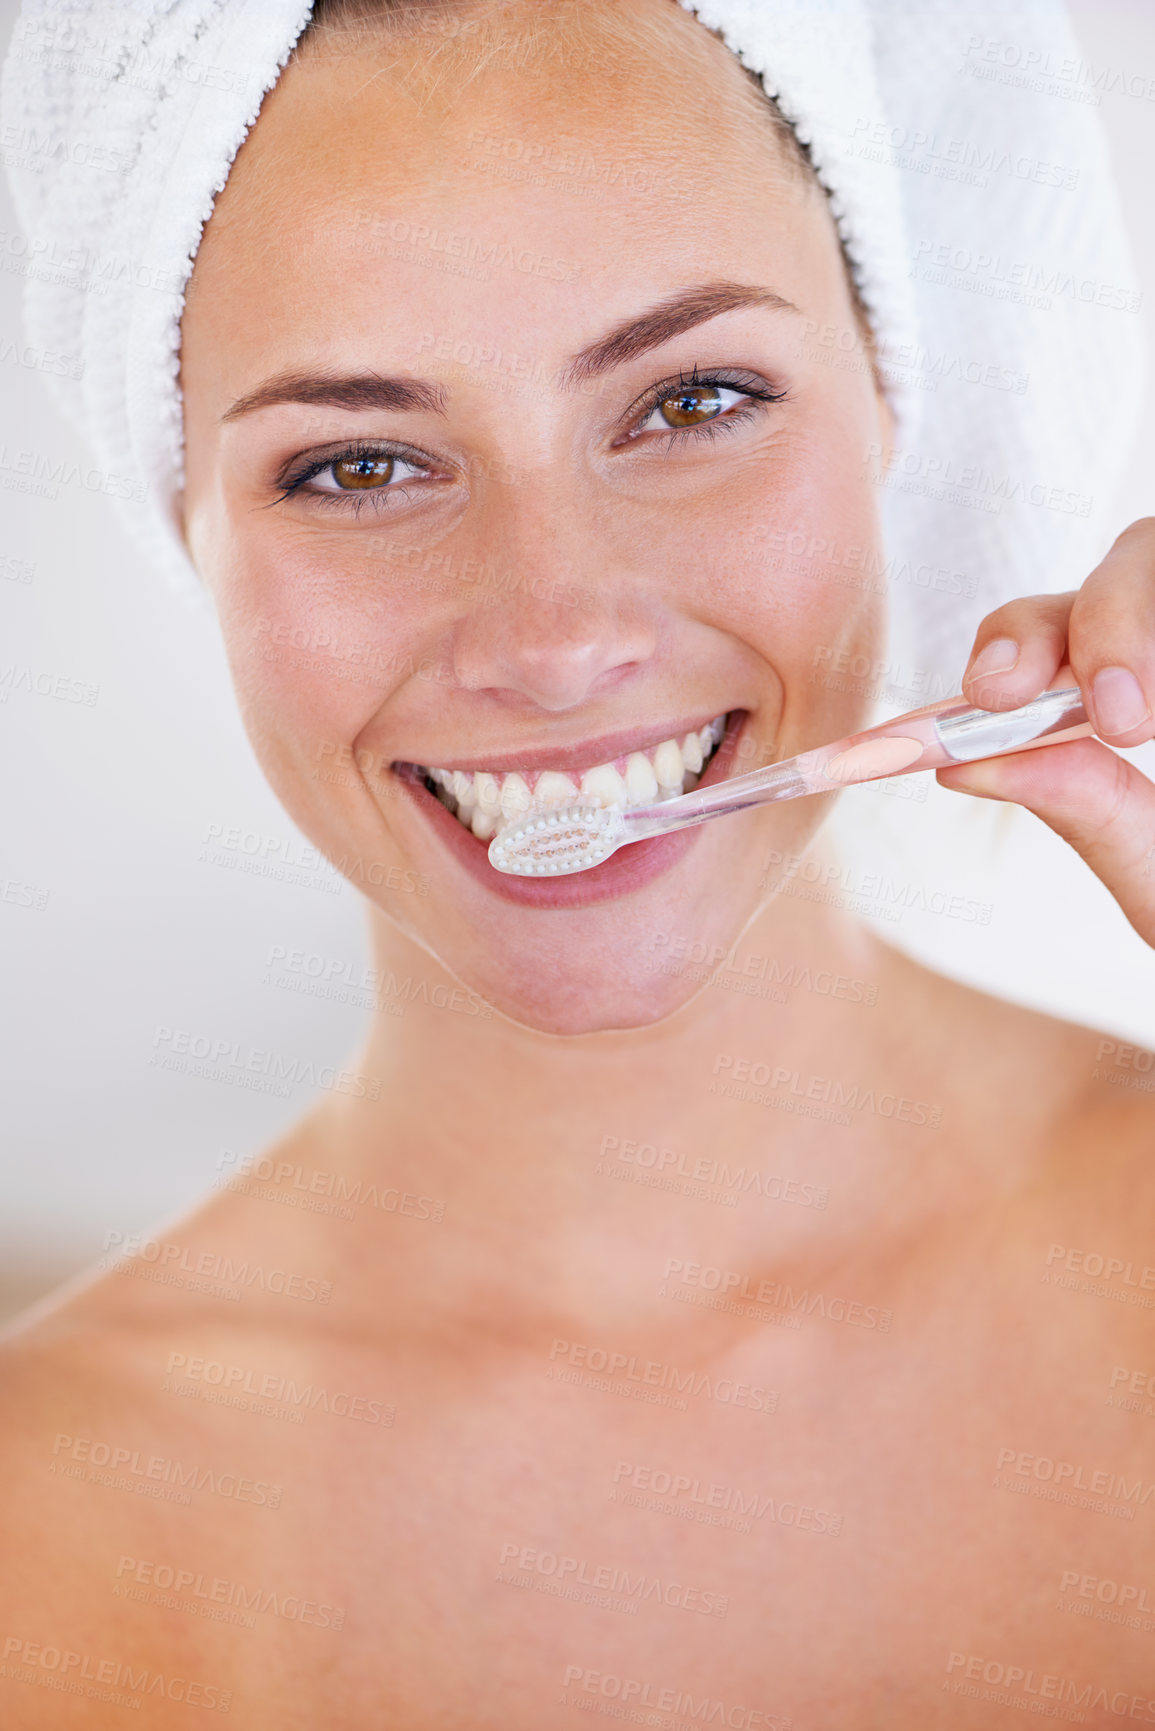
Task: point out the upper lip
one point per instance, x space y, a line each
585 755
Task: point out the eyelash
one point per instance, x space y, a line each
354 498
750 385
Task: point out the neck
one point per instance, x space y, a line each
760 1129
800 982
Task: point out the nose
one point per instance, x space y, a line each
545 621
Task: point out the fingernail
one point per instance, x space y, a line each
998 657
1118 700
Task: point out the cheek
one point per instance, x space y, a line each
312 657
787 558
819 564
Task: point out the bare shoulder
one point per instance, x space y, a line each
76 1441
130 1507
1085 1097
112 1385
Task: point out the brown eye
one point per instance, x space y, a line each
691 404
359 472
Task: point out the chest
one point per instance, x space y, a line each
830 1523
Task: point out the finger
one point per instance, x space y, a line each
1018 650
1097 801
1111 639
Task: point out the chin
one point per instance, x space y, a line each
585 995
625 961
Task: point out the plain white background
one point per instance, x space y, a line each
107 810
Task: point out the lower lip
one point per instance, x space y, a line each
630 869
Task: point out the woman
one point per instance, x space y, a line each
615 1388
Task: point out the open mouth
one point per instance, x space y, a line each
481 802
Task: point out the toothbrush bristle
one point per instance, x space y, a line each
555 840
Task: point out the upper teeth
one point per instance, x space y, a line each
483 801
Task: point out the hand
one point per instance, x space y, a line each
1094 799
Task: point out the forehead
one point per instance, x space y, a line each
505 172
620 56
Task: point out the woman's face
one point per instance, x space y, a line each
507 417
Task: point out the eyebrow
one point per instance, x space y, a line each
692 306
330 390
634 337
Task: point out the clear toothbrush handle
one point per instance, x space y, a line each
966 734
951 731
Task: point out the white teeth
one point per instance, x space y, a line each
482 801
641 782
554 788
515 796
487 793
604 786
668 765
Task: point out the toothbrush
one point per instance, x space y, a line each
556 840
